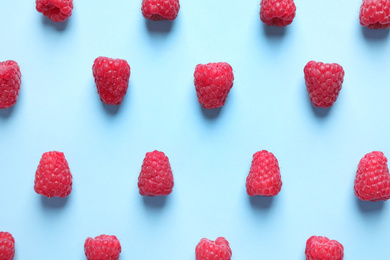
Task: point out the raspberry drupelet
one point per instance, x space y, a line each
10 80
213 82
323 82
264 176
278 13
158 10
208 249
156 178
53 177
55 10
375 14
103 247
111 78
7 246
322 248
372 181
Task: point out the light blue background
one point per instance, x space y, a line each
210 151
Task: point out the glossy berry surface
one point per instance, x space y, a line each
10 79
111 78
278 13
375 14
213 82
372 181
213 250
323 82
322 248
55 10
103 247
156 178
264 176
7 246
53 177
157 10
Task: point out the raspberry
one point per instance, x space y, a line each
9 83
372 180
53 177
375 14
213 250
7 246
213 82
264 176
157 10
102 247
156 178
111 78
321 248
55 10
277 12
323 82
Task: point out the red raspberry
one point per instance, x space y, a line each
157 10
55 10
156 178
9 83
111 78
323 82
102 247
53 177
277 12
210 250
375 14
321 248
372 180
213 82
7 246
264 176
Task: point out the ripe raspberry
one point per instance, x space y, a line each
277 12
156 178
213 82
111 78
321 248
158 10
372 180
55 10
102 247
264 176
9 83
53 177
7 246
210 250
375 14
323 82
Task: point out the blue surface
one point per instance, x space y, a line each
210 151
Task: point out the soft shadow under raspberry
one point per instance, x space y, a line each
320 111
159 26
61 26
261 202
274 31
372 34
111 109
211 113
6 113
54 202
155 202
369 206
